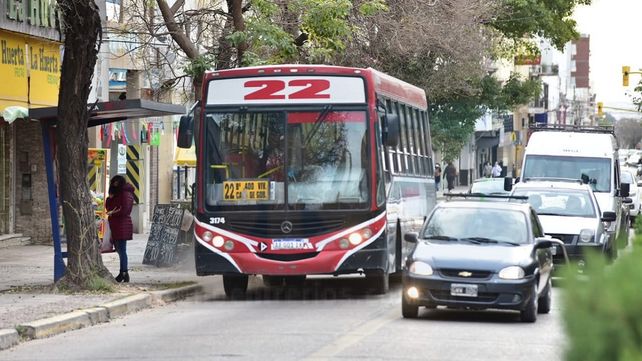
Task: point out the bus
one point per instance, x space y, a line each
307 170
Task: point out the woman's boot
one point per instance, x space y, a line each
125 277
121 277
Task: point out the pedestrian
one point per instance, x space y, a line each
488 170
437 176
497 170
119 207
502 170
451 173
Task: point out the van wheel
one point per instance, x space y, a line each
235 286
379 281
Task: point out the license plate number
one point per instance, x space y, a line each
463 290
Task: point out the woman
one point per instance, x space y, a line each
437 176
119 207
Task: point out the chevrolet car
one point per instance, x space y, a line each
472 254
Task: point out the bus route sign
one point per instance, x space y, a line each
246 190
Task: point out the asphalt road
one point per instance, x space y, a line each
326 319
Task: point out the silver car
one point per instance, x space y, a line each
569 211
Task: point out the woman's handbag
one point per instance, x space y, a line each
106 245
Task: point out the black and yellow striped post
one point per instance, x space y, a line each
133 174
92 176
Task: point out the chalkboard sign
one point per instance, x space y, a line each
164 235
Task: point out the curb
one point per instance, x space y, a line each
74 320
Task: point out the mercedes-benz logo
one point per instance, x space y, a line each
286 227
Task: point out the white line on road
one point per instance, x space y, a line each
352 337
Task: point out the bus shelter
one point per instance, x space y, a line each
101 113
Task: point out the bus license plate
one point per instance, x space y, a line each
291 244
463 290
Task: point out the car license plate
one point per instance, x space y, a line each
463 290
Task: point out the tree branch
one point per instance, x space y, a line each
177 34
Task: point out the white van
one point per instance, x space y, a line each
589 154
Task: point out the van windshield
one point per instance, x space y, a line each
596 170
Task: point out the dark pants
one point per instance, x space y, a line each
451 183
121 248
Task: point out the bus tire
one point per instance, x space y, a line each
235 286
379 281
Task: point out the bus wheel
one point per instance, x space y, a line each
379 281
235 285
272 281
295 281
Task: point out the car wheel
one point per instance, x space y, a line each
379 281
235 286
632 220
529 314
272 281
408 310
544 302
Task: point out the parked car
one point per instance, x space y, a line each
489 186
629 176
569 211
477 255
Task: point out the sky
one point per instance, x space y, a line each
614 27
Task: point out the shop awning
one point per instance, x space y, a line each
108 112
185 157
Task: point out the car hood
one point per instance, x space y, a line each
567 225
471 256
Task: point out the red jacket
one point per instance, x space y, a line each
120 222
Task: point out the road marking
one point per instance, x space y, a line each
354 336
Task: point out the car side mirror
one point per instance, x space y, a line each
508 184
639 184
411 237
609 216
542 243
625 189
391 129
627 200
185 132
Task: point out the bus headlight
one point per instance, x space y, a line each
421 269
218 241
344 243
586 235
207 236
355 238
229 245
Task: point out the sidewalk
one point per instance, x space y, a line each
26 277
458 189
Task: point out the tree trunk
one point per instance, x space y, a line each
82 30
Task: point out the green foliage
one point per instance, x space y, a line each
517 91
99 284
603 317
197 67
550 19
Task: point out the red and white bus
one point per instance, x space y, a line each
307 170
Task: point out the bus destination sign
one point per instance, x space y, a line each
287 90
251 190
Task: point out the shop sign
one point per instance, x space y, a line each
42 13
13 67
44 65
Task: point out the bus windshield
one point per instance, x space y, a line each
596 170
296 160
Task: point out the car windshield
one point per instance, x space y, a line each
502 225
597 171
565 203
489 186
318 160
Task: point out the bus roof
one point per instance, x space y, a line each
382 83
572 144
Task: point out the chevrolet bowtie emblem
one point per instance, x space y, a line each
465 274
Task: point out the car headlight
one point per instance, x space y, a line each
421 269
586 235
512 273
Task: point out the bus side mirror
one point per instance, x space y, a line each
185 132
508 184
391 130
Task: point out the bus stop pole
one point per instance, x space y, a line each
59 264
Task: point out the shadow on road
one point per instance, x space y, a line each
481 316
313 289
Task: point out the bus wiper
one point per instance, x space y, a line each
317 123
489 240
